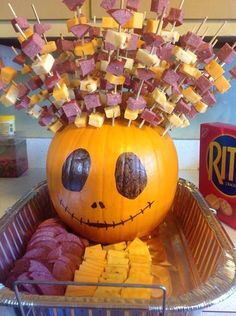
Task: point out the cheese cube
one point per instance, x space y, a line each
112 111
103 65
26 69
88 85
190 71
185 121
10 97
174 120
71 22
35 98
131 115
159 96
136 21
117 39
144 57
151 26
49 47
191 96
8 74
81 121
61 93
65 79
214 69
44 65
129 63
182 55
193 56
222 84
158 71
35 111
55 126
96 119
29 32
113 79
167 107
201 107
169 36
97 43
86 49
109 23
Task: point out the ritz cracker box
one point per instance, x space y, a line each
217 178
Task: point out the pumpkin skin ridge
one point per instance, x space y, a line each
114 141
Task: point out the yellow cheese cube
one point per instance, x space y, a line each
35 98
71 22
112 111
136 21
159 96
103 65
151 26
84 50
49 47
174 120
201 107
131 115
96 119
113 79
118 246
65 79
43 65
109 22
190 71
214 69
26 69
55 126
44 94
222 84
27 33
146 58
8 74
10 97
81 121
97 43
167 107
158 71
83 19
193 56
74 83
191 96
61 93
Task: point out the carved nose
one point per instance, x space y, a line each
99 204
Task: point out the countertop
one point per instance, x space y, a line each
12 189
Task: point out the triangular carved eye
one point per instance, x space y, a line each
130 175
76 169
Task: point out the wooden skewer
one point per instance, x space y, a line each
194 29
38 20
215 42
140 89
205 33
12 10
94 20
14 50
218 32
201 25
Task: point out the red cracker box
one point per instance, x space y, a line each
217 180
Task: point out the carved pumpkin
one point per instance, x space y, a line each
114 183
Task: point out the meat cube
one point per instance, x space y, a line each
33 46
71 108
108 4
165 52
191 40
204 52
41 28
23 103
233 72
226 54
136 104
151 117
133 4
170 77
145 74
51 80
158 6
65 45
23 90
176 16
203 84
19 59
80 30
68 67
121 16
116 67
183 107
113 99
209 98
153 39
73 4
132 42
105 85
92 101
35 83
87 66
46 118
21 21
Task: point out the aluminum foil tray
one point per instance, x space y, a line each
195 243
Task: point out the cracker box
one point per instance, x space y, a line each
217 179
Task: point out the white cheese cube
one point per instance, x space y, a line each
147 59
131 115
44 65
201 107
129 63
10 97
182 55
81 121
103 65
193 56
175 120
112 111
118 39
88 85
35 111
96 119
168 107
159 96
169 36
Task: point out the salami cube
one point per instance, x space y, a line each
80 30
51 81
136 104
121 16
133 4
226 54
23 103
19 59
108 4
165 52
78 94
176 16
23 90
153 39
145 74
69 67
203 84
46 118
21 21
233 72
151 117
87 66
191 40
92 101
209 98
73 4
132 42
116 67
33 46
94 31
105 85
35 83
170 77
65 45
158 6
113 99
183 107
71 109
192 113
204 52
41 28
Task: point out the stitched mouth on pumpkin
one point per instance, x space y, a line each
105 224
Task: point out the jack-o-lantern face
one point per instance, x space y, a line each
114 183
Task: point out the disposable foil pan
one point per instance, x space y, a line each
195 242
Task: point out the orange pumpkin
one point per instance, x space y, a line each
114 183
